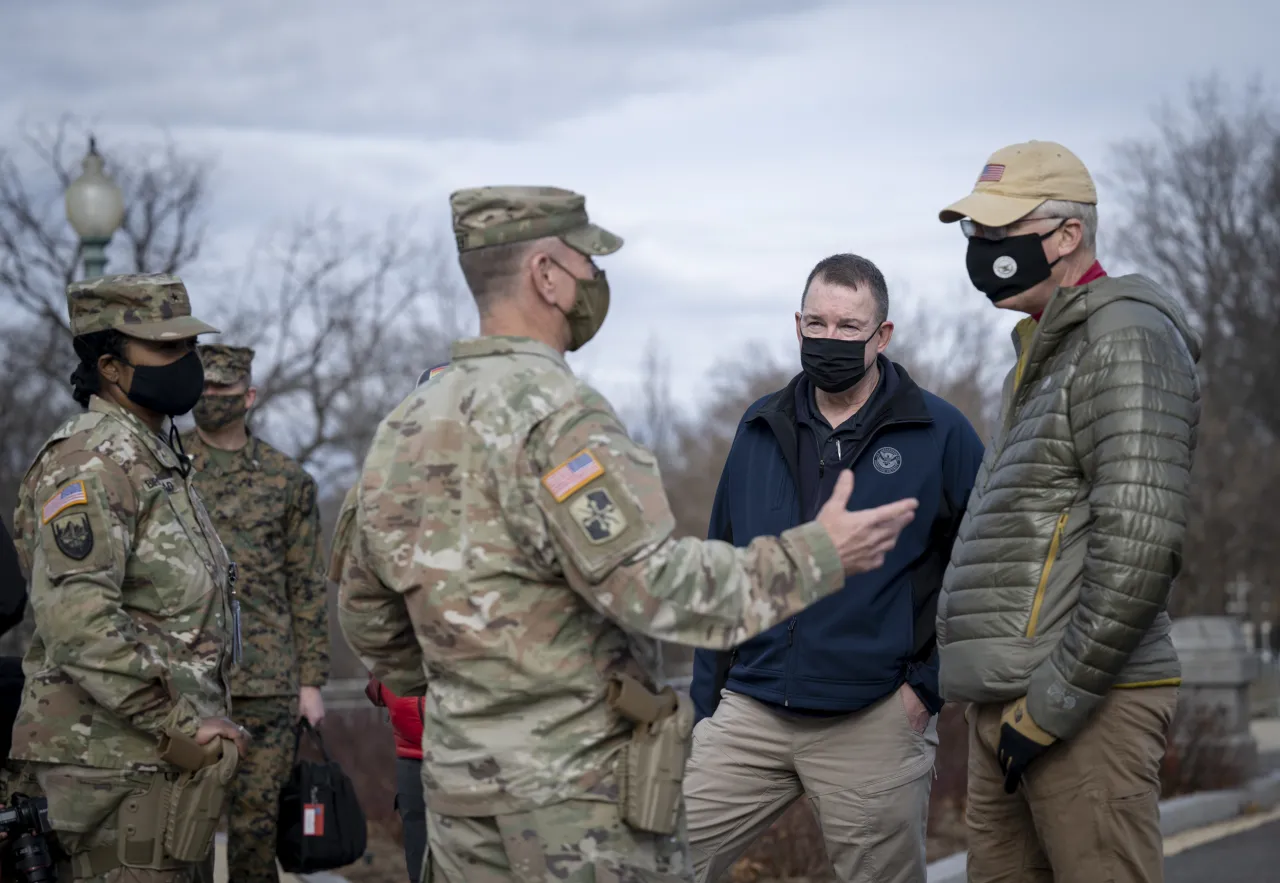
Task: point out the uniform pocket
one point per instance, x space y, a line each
1131 847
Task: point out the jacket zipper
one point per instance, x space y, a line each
1055 545
786 684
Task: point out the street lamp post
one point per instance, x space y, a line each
95 208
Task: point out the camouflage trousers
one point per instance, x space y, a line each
83 803
253 804
577 841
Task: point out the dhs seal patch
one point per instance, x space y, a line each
887 461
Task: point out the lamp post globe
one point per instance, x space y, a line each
95 208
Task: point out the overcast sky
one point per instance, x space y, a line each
732 143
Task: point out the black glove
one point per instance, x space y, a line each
1021 741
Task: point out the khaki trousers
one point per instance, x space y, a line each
1087 810
866 774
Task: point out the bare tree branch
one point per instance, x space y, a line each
1201 203
343 322
165 199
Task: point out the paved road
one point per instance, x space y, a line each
1248 857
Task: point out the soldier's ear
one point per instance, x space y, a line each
542 269
250 397
110 368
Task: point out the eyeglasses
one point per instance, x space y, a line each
971 229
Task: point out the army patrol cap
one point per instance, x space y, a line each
1017 179
151 307
225 365
484 216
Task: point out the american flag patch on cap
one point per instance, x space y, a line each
567 478
71 495
991 173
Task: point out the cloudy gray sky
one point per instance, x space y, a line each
733 143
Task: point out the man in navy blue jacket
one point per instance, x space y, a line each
839 702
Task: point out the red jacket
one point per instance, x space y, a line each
406 717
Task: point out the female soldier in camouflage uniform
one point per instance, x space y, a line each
129 586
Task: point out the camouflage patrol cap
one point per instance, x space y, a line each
225 365
484 216
148 307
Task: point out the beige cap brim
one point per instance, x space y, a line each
592 240
989 209
177 328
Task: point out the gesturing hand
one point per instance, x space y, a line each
863 537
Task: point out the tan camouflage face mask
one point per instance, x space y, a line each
213 413
590 306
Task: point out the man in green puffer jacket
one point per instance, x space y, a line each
1052 621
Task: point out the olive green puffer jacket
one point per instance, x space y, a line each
1060 575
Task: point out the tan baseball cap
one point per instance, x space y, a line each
1017 179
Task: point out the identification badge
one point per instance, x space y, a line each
313 820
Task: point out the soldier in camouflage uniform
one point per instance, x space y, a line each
264 507
128 581
509 549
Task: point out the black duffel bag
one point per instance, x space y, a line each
321 825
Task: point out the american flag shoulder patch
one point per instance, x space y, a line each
573 474
431 372
71 495
991 173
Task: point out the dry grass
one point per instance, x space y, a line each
1196 759
383 860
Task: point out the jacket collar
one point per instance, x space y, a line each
496 345
902 402
154 443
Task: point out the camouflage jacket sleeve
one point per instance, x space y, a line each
78 607
374 619
606 518
304 575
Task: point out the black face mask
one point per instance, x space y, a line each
834 365
1005 267
171 389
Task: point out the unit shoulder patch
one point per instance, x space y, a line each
598 515
73 535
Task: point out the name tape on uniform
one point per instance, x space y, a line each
71 495
574 473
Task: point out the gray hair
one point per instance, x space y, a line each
1083 212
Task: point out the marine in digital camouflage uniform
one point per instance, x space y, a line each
508 548
128 588
264 506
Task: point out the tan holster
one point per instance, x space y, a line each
650 768
171 824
